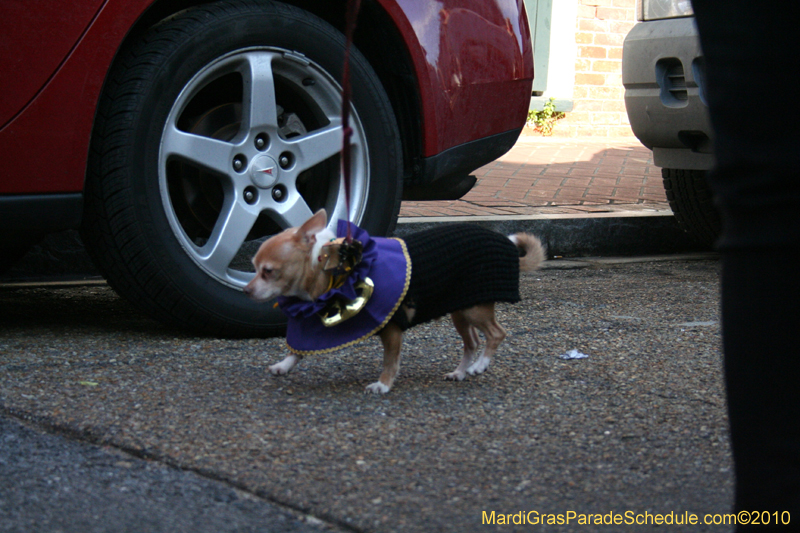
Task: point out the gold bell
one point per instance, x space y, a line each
340 310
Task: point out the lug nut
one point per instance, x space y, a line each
285 161
278 194
261 141
250 195
239 163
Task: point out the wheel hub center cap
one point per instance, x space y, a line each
264 172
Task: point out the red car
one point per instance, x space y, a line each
178 134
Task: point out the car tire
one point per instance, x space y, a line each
10 256
217 128
691 201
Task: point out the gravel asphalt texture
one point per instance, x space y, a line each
639 425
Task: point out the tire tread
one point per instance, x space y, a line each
692 203
111 229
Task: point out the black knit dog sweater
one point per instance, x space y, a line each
458 266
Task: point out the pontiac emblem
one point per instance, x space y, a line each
264 172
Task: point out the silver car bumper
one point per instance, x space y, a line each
663 74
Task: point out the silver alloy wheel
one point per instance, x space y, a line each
233 172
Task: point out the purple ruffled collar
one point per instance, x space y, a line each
386 263
297 307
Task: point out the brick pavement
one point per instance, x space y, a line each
558 176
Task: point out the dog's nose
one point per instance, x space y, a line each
248 290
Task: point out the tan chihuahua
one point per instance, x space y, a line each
289 264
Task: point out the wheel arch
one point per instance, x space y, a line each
377 36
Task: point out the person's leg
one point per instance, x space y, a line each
750 55
761 328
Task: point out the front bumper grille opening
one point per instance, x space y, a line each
672 81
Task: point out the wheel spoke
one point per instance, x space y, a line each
317 146
293 212
210 154
259 106
230 232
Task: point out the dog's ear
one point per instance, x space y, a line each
308 231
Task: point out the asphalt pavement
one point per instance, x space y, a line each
137 414
51 482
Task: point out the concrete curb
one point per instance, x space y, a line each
621 233
597 234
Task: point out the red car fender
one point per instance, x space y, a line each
460 71
31 51
45 147
468 55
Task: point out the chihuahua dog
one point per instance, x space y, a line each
461 270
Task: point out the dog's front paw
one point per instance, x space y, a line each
284 367
455 376
377 388
277 370
479 366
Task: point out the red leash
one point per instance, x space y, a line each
347 132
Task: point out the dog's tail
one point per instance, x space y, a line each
531 251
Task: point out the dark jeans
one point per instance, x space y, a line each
752 51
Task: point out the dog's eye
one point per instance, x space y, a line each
266 272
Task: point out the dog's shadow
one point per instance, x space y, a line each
348 371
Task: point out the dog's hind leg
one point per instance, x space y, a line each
482 317
392 339
471 341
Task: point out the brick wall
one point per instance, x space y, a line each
599 106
